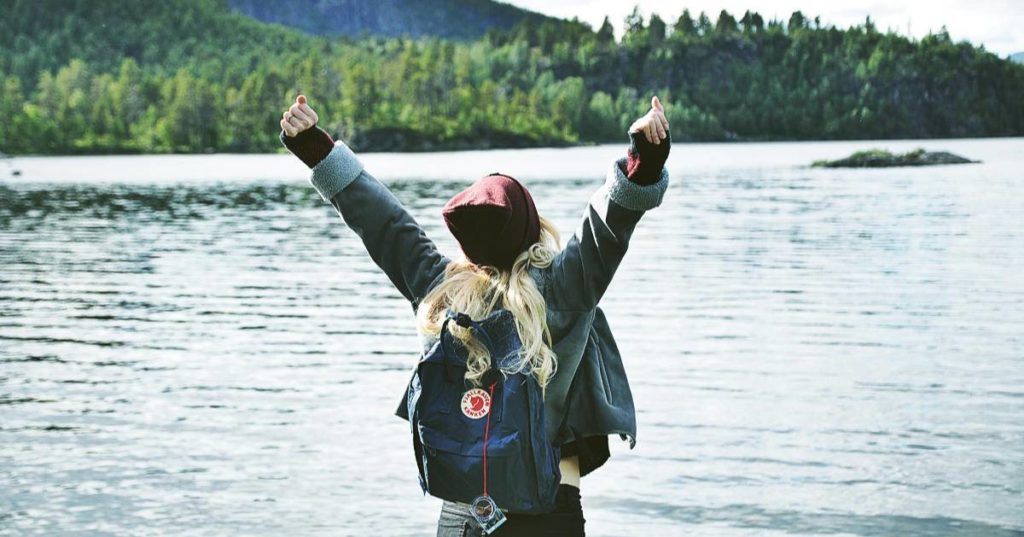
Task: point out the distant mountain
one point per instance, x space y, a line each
452 19
1018 57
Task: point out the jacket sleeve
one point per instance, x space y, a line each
582 271
392 237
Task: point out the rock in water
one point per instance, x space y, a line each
880 158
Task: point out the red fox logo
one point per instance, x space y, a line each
476 403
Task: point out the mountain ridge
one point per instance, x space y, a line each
452 19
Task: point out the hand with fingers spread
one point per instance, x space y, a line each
299 117
653 124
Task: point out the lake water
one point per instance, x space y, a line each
198 345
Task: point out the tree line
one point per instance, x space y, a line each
194 76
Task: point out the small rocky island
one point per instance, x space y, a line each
880 158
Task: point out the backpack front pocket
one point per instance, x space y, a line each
455 470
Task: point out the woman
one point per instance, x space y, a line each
512 258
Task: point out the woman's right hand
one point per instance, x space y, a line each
298 117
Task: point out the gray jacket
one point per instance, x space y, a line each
589 395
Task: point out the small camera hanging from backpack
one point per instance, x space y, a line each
487 514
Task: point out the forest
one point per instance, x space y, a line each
185 76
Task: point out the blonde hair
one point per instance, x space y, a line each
476 289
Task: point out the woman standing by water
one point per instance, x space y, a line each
512 258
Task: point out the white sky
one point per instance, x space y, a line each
997 24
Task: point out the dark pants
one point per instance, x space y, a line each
565 521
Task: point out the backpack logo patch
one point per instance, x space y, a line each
476 403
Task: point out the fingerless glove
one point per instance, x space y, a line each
311 145
645 159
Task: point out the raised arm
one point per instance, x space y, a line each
633 184
392 237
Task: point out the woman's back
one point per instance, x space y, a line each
587 395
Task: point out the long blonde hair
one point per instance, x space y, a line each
476 289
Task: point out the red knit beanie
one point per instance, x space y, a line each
494 220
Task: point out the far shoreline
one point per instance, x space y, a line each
283 151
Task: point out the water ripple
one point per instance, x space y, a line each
811 352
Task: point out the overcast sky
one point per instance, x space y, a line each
997 24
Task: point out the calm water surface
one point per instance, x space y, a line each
198 345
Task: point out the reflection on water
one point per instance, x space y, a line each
811 352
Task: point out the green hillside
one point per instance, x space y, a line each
195 75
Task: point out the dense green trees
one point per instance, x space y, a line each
187 76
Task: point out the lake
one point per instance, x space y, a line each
198 345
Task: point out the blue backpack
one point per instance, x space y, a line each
478 443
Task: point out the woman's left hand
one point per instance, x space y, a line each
299 117
654 124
